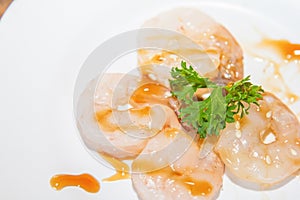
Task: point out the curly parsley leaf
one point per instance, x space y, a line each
240 96
210 115
186 81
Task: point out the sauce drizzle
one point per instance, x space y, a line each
277 82
152 93
84 181
194 186
103 118
289 51
122 169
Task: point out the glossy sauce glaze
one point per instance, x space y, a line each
289 51
84 181
122 169
152 93
163 57
108 119
194 186
171 132
146 93
102 117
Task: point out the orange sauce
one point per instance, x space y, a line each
171 132
151 93
103 117
200 142
143 165
194 186
292 97
289 51
122 169
159 58
84 181
141 112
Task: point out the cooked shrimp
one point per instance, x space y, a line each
171 168
263 147
111 124
224 61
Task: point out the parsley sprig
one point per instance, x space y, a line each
210 115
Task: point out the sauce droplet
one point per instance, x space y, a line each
171 132
152 93
122 169
150 57
84 181
197 187
288 50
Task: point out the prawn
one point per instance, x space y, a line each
172 168
263 147
221 58
111 123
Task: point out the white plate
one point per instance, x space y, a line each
42 47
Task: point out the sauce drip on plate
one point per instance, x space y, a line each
84 181
122 169
289 51
290 58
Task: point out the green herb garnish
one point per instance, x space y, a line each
210 115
